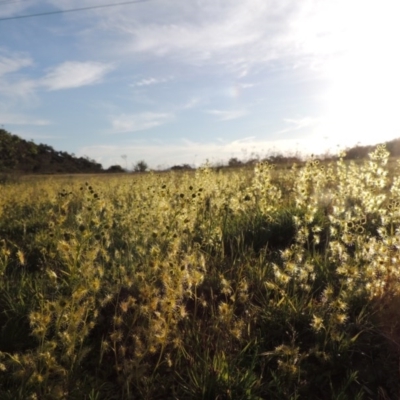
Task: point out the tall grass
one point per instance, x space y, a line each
280 284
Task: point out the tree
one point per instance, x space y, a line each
115 169
235 162
141 166
183 167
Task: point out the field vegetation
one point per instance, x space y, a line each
237 284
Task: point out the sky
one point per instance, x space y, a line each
185 81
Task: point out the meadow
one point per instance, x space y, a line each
244 284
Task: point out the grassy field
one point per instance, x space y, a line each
263 284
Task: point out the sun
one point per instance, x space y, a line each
362 101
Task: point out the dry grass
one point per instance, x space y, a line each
270 284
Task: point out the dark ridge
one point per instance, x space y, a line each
21 156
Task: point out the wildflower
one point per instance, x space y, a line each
226 289
317 323
316 229
116 336
236 332
168 360
182 311
107 299
327 294
341 305
289 368
280 276
124 306
340 318
152 349
225 311
21 257
51 274
38 378
96 284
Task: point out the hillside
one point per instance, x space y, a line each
22 156
358 152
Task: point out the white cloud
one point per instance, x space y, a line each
191 103
13 83
225 115
299 123
238 36
150 81
13 63
73 74
146 82
246 85
204 32
18 88
139 122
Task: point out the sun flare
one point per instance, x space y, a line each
362 100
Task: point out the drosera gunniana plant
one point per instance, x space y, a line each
278 284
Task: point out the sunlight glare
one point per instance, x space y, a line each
362 102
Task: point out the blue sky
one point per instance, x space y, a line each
182 81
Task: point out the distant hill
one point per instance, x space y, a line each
22 156
357 152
